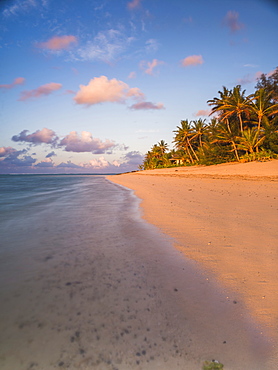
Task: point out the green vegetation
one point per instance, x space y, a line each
245 129
213 365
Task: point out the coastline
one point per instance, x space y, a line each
224 218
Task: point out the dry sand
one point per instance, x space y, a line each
224 217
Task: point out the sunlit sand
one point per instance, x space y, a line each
225 218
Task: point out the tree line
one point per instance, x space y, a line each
243 128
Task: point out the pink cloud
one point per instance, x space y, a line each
16 81
6 150
231 21
43 90
85 143
70 92
149 66
45 136
269 74
188 20
135 93
250 78
100 90
58 43
45 163
192 60
134 4
203 112
99 163
132 75
147 105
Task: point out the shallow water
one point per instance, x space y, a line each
86 284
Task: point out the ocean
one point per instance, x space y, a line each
85 283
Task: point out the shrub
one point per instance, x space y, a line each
213 365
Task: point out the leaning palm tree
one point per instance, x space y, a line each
233 103
182 140
224 135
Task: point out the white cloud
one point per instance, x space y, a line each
19 6
250 65
106 46
152 45
99 163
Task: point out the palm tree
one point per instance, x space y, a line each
182 139
157 156
149 161
200 129
155 150
226 136
270 84
163 146
249 140
232 103
263 107
238 104
219 104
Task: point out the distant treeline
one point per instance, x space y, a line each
243 128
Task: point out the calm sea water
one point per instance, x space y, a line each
37 208
43 214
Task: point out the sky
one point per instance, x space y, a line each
89 86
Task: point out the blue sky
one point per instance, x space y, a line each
89 86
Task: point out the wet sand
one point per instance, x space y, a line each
224 219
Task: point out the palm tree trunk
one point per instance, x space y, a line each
193 151
189 154
258 131
235 150
241 124
228 125
201 144
259 124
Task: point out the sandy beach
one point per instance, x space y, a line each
224 218
87 283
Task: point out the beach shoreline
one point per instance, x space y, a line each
224 218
